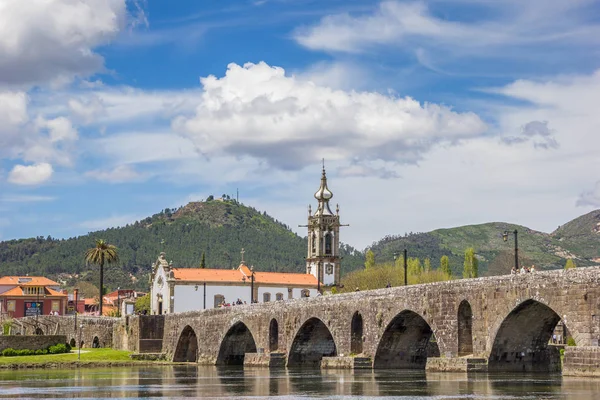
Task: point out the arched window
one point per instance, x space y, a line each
314 243
328 243
279 296
305 293
266 297
219 299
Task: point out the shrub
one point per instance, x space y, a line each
9 352
571 342
58 349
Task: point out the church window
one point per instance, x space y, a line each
314 243
305 293
328 244
329 269
266 297
279 296
219 299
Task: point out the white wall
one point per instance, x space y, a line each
328 279
273 290
156 289
187 298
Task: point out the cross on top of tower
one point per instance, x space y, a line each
242 253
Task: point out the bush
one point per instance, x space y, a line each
571 342
9 352
58 349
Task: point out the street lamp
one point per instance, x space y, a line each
405 266
119 301
79 353
505 238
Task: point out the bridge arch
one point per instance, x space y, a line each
273 335
356 334
465 329
406 343
237 342
312 342
521 342
187 346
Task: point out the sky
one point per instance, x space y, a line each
429 114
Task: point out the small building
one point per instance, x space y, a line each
188 289
25 296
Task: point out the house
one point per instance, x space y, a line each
188 289
24 296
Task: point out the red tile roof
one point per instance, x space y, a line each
27 281
238 275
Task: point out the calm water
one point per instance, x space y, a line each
210 382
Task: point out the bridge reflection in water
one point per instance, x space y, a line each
213 382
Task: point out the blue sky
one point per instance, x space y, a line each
429 114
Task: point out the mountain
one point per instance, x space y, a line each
219 227
578 239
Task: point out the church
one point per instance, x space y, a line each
177 290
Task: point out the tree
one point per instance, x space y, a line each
100 254
369 259
427 265
203 261
414 266
445 265
570 264
142 304
471 264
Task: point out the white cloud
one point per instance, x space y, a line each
30 174
119 174
113 221
525 26
258 111
590 198
44 41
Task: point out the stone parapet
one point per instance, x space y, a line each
455 364
33 342
581 361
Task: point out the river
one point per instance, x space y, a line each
210 382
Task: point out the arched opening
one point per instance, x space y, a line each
328 243
521 343
465 329
237 342
81 344
187 346
72 343
39 331
273 335
96 343
406 343
312 342
356 334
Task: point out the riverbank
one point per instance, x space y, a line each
89 358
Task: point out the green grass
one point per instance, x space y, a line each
107 355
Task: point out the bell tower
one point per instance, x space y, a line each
323 258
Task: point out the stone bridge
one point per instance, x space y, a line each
503 323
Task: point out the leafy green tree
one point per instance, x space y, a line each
427 265
142 304
570 264
471 264
369 259
100 254
203 260
414 266
445 265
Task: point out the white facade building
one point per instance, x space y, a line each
177 290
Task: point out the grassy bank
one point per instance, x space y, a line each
88 357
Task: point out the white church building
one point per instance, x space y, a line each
177 290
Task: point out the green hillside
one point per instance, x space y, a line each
578 239
218 228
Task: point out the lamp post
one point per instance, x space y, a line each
119 301
319 276
252 286
79 353
505 238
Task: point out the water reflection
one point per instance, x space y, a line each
202 382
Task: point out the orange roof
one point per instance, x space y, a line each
238 275
27 281
285 278
207 275
18 292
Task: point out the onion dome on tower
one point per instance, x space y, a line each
323 195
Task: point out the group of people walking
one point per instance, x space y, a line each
523 270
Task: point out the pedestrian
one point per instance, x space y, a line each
523 269
513 271
533 268
389 285
357 289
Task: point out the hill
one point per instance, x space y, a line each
220 228
578 239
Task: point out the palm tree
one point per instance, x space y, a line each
103 252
